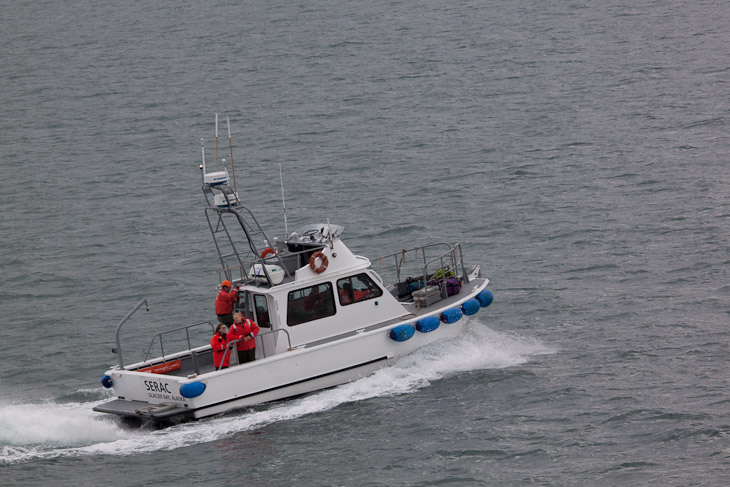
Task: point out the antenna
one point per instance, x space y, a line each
216 143
283 202
329 235
230 145
202 149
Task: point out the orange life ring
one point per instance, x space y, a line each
313 262
268 251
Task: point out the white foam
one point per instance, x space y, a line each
48 430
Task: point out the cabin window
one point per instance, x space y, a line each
357 288
262 311
244 305
310 303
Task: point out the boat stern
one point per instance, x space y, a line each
149 395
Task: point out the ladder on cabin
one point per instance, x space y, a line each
230 254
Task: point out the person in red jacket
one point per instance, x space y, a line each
244 330
224 303
219 343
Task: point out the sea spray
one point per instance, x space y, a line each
52 424
52 429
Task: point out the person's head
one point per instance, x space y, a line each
226 284
221 328
237 317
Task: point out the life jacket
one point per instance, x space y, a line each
243 329
224 302
344 296
219 343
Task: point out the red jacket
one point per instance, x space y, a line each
239 331
224 302
219 344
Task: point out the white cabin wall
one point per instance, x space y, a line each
346 318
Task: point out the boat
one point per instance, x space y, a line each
326 316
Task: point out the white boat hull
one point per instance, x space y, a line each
293 373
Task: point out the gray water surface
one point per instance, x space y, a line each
577 150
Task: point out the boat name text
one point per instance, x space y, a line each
154 386
161 390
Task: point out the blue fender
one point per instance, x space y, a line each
470 307
402 333
429 323
192 389
485 298
451 315
107 381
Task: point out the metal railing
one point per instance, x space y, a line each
450 260
187 336
261 280
227 248
118 348
230 347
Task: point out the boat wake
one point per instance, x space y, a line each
49 430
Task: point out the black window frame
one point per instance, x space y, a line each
369 283
299 312
259 321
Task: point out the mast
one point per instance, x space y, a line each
217 167
230 146
232 252
202 150
283 202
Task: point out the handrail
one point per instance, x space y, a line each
263 346
461 259
229 347
419 254
447 267
270 332
187 334
251 230
423 247
118 349
241 269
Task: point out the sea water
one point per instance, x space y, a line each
578 151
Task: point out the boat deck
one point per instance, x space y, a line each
193 362
417 309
